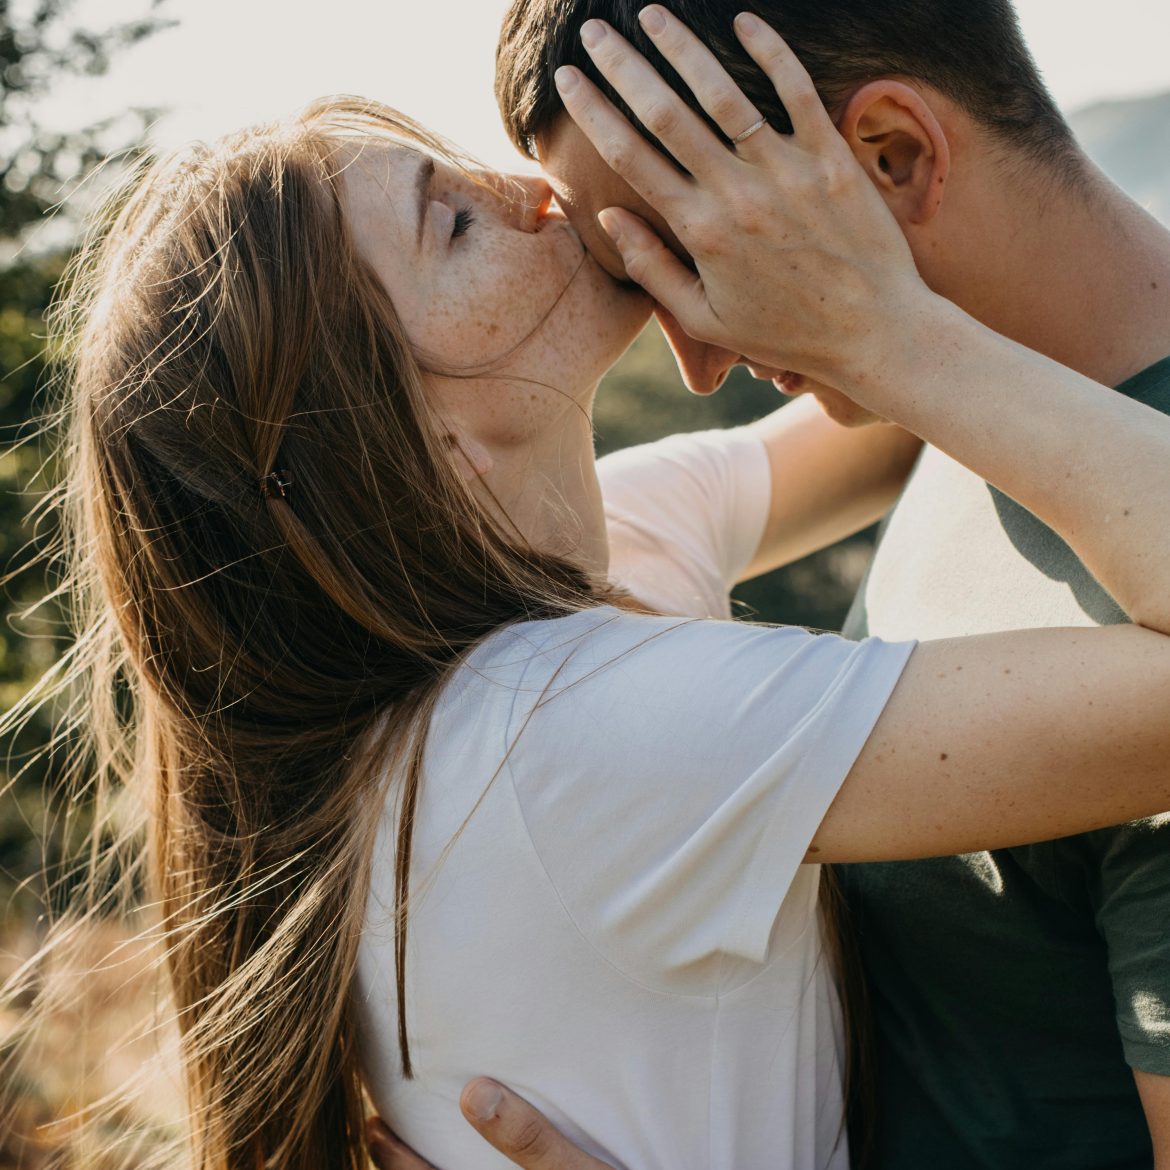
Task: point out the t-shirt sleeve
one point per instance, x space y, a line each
673 774
704 498
1130 882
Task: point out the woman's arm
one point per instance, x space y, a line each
994 741
1004 739
1091 463
828 481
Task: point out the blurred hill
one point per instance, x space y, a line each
1130 141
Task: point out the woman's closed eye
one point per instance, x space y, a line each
464 218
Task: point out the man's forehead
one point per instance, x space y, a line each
585 184
571 160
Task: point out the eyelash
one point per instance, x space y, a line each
464 218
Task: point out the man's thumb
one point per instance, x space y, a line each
520 1132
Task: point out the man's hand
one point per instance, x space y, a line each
1155 1095
519 1132
800 265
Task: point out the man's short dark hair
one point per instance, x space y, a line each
972 51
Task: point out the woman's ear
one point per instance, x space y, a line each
897 138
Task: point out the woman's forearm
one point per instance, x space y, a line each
1092 464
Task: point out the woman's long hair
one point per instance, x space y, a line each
275 566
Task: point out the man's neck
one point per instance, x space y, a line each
1080 273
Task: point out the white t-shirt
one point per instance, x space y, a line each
685 517
609 907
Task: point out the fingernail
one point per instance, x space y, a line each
483 1100
748 24
566 79
612 226
592 33
653 21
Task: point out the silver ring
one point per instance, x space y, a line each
750 131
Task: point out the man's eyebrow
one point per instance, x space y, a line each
422 187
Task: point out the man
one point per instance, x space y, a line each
1021 1000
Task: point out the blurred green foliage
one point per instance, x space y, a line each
40 44
28 644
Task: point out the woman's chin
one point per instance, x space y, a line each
637 309
621 309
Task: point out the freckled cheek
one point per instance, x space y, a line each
503 304
489 302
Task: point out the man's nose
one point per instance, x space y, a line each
704 367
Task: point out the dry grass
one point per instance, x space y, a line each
104 1053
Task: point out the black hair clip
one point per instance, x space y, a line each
276 485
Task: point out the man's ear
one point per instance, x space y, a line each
897 138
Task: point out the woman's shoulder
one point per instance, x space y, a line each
643 676
561 648
607 666
694 453
593 636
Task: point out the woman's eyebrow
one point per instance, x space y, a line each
422 186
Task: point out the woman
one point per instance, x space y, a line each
416 771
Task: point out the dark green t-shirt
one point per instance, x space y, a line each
1013 992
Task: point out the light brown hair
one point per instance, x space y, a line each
257 660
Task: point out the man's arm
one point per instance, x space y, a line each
828 481
1155 1095
1127 873
520 1132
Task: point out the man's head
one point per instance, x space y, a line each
908 82
971 51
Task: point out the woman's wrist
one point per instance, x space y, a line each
895 368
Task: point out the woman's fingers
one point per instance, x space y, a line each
711 84
672 122
389 1153
650 263
792 245
618 143
520 1132
810 120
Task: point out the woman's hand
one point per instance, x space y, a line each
520 1132
800 265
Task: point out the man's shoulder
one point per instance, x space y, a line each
1127 861
1103 843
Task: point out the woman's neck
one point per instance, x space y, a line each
549 494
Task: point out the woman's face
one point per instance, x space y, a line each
499 289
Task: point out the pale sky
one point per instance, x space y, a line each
232 62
